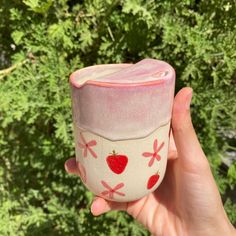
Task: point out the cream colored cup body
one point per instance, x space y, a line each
122 128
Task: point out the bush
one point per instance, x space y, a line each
42 42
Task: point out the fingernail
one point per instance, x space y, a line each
94 206
189 99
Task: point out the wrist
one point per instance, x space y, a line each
227 230
232 230
223 228
226 227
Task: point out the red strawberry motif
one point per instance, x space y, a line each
153 180
117 163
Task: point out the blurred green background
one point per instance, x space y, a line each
43 41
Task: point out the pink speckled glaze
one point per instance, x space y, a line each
126 102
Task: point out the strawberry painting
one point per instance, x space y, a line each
153 180
116 162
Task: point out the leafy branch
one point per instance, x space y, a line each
8 70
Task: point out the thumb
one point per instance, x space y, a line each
187 144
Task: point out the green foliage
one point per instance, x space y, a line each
44 41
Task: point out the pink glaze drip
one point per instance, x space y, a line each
130 101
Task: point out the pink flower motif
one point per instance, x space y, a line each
111 191
155 154
87 146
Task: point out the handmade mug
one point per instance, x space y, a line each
121 117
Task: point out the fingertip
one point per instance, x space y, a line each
181 117
71 166
182 100
95 207
99 206
184 91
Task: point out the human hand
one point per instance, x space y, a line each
187 202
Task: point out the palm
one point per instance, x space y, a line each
178 202
161 207
158 208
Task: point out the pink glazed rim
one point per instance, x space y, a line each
110 84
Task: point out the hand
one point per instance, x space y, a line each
188 201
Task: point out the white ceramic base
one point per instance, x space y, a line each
136 169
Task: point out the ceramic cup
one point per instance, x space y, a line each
121 116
